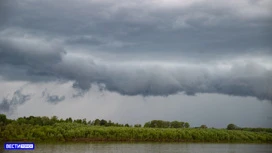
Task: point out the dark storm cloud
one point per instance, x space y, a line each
8 105
159 79
27 56
36 42
4 105
172 26
55 99
52 98
24 51
85 40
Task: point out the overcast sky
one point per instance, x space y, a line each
131 61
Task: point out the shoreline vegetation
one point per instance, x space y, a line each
44 129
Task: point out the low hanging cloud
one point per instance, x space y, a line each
246 77
193 46
8 105
186 26
53 99
29 51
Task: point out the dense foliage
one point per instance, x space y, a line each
166 124
45 129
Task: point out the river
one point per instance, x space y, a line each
148 148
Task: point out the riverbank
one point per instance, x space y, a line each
72 132
145 147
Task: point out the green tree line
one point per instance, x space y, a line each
54 129
166 124
43 121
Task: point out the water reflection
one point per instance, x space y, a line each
148 148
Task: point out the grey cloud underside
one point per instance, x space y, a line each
242 79
213 27
37 36
30 56
54 99
8 105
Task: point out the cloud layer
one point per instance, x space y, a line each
190 27
140 47
54 99
8 105
242 78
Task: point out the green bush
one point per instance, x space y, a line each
67 131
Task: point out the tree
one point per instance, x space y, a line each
21 120
69 120
45 120
110 123
84 121
96 122
78 121
147 124
159 124
186 125
54 119
154 123
182 124
3 119
137 125
175 124
232 126
61 120
89 122
203 127
103 122
37 120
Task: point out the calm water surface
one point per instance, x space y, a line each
148 148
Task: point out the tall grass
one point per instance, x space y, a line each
81 132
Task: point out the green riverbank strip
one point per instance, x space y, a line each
63 132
